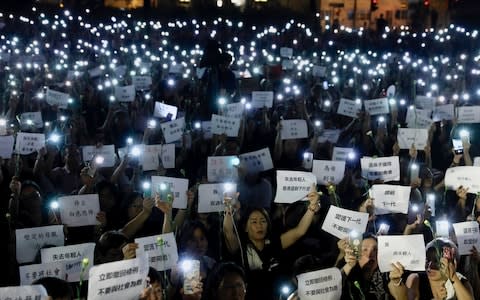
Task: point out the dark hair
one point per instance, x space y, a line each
129 199
186 234
306 263
56 287
249 211
109 240
30 183
104 184
368 235
216 277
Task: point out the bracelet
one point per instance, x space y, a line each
399 282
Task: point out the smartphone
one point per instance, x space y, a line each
191 274
308 160
449 253
457 146
164 190
354 240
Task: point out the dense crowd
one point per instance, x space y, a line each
179 159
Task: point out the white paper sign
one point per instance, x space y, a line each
30 273
28 143
95 72
340 222
106 151
225 125
72 257
123 279
163 110
55 98
6 146
468 114
341 154
349 108
382 168
120 70
319 71
328 171
324 284
293 186
210 197
175 69
262 99
161 250
173 130
425 102
466 176
34 292
125 93
329 135
409 250
444 112
442 228
476 161
286 52
30 240
221 168
79 210
234 110
390 198
408 136
207 130
377 106
178 186
287 64
294 129
257 161
34 117
418 118
467 235
142 82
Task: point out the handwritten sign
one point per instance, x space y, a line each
466 176
34 117
56 98
377 106
123 279
30 273
382 168
234 110
286 52
28 143
425 102
328 171
294 129
323 284
349 108
72 257
173 130
221 168
163 110
398 248
418 118
142 82
106 151
468 236
79 210
210 196
293 186
329 135
319 71
161 250
178 186
257 161
24 292
444 112
125 93
30 240
407 137
390 198
341 154
225 125
6 146
468 114
262 99
340 222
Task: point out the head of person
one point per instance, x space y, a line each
109 247
436 250
31 202
156 284
368 252
107 193
57 289
193 239
72 157
133 205
226 282
256 224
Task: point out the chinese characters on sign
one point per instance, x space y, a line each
161 250
398 248
340 222
293 186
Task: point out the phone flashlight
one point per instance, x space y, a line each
54 205
197 125
99 160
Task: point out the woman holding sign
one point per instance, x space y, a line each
258 248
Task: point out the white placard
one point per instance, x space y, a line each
286 52
293 186
408 136
163 110
28 143
294 129
106 151
178 186
120 70
262 99
377 106
425 102
175 69
323 284
225 125
319 71
142 82
390 198
30 273
161 250
409 250
329 135
468 114
95 72
476 161
30 240
257 161
125 93
340 222
124 279
34 117
349 108
210 197
56 98
221 168
173 130
79 210
382 168
444 112
234 110
72 257
34 292
207 130
341 154
442 228
152 154
467 235
328 171
418 118
287 64
466 176
6 146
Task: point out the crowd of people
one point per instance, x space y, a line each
71 82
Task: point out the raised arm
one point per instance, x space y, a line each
132 227
229 234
